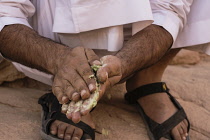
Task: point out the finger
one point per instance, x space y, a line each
79 85
111 67
91 56
114 80
69 90
103 74
70 110
76 116
75 96
91 102
86 72
58 90
96 62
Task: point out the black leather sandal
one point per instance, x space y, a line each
156 130
52 111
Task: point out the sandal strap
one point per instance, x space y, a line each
158 130
145 90
162 129
86 128
54 113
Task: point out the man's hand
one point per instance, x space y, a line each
70 67
111 71
72 75
142 50
108 73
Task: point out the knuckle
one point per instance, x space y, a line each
61 127
74 78
81 88
86 72
77 134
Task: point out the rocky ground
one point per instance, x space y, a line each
188 78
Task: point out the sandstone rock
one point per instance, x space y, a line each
11 77
27 83
190 84
8 72
186 57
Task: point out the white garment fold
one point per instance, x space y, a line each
197 29
98 24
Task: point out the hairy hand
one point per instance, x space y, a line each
71 78
107 73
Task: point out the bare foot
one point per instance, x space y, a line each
159 108
68 132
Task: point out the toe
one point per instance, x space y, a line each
175 133
185 127
77 134
69 132
181 131
61 130
54 128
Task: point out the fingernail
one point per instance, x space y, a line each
75 94
186 134
96 62
64 98
53 132
83 92
184 138
69 115
91 87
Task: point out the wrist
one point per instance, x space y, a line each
54 62
122 65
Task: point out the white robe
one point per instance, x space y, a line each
97 24
196 33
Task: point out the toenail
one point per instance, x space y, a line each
75 138
53 132
68 137
61 135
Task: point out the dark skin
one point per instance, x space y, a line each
67 65
152 43
71 67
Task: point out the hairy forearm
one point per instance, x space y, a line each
22 44
144 49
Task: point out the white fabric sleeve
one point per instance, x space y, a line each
171 14
15 12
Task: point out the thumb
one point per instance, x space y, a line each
111 67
